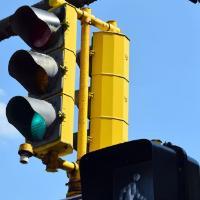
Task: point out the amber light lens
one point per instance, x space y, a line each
41 80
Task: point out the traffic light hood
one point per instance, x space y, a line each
35 26
32 117
35 71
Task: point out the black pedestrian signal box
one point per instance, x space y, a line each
140 170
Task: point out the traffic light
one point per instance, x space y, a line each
140 170
47 72
109 88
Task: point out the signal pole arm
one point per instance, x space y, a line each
80 3
194 1
5 28
53 163
76 3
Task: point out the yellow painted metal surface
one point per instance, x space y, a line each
56 3
26 147
67 166
83 91
97 22
110 83
82 13
64 144
69 78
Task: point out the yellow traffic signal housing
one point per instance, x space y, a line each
64 143
45 118
109 88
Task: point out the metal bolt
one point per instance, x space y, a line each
61 115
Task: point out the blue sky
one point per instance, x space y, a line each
164 87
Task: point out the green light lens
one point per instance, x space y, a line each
38 127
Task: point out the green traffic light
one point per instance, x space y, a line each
38 127
32 117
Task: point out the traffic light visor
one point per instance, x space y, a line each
30 116
35 71
35 26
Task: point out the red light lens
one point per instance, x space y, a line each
40 37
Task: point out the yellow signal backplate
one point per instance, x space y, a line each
110 83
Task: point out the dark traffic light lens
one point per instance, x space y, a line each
35 71
41 80
40 37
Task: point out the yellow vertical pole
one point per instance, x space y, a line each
83 91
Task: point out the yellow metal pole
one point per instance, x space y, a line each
97 22
112 22
83 13
53 162
56 3
67 166
83 92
